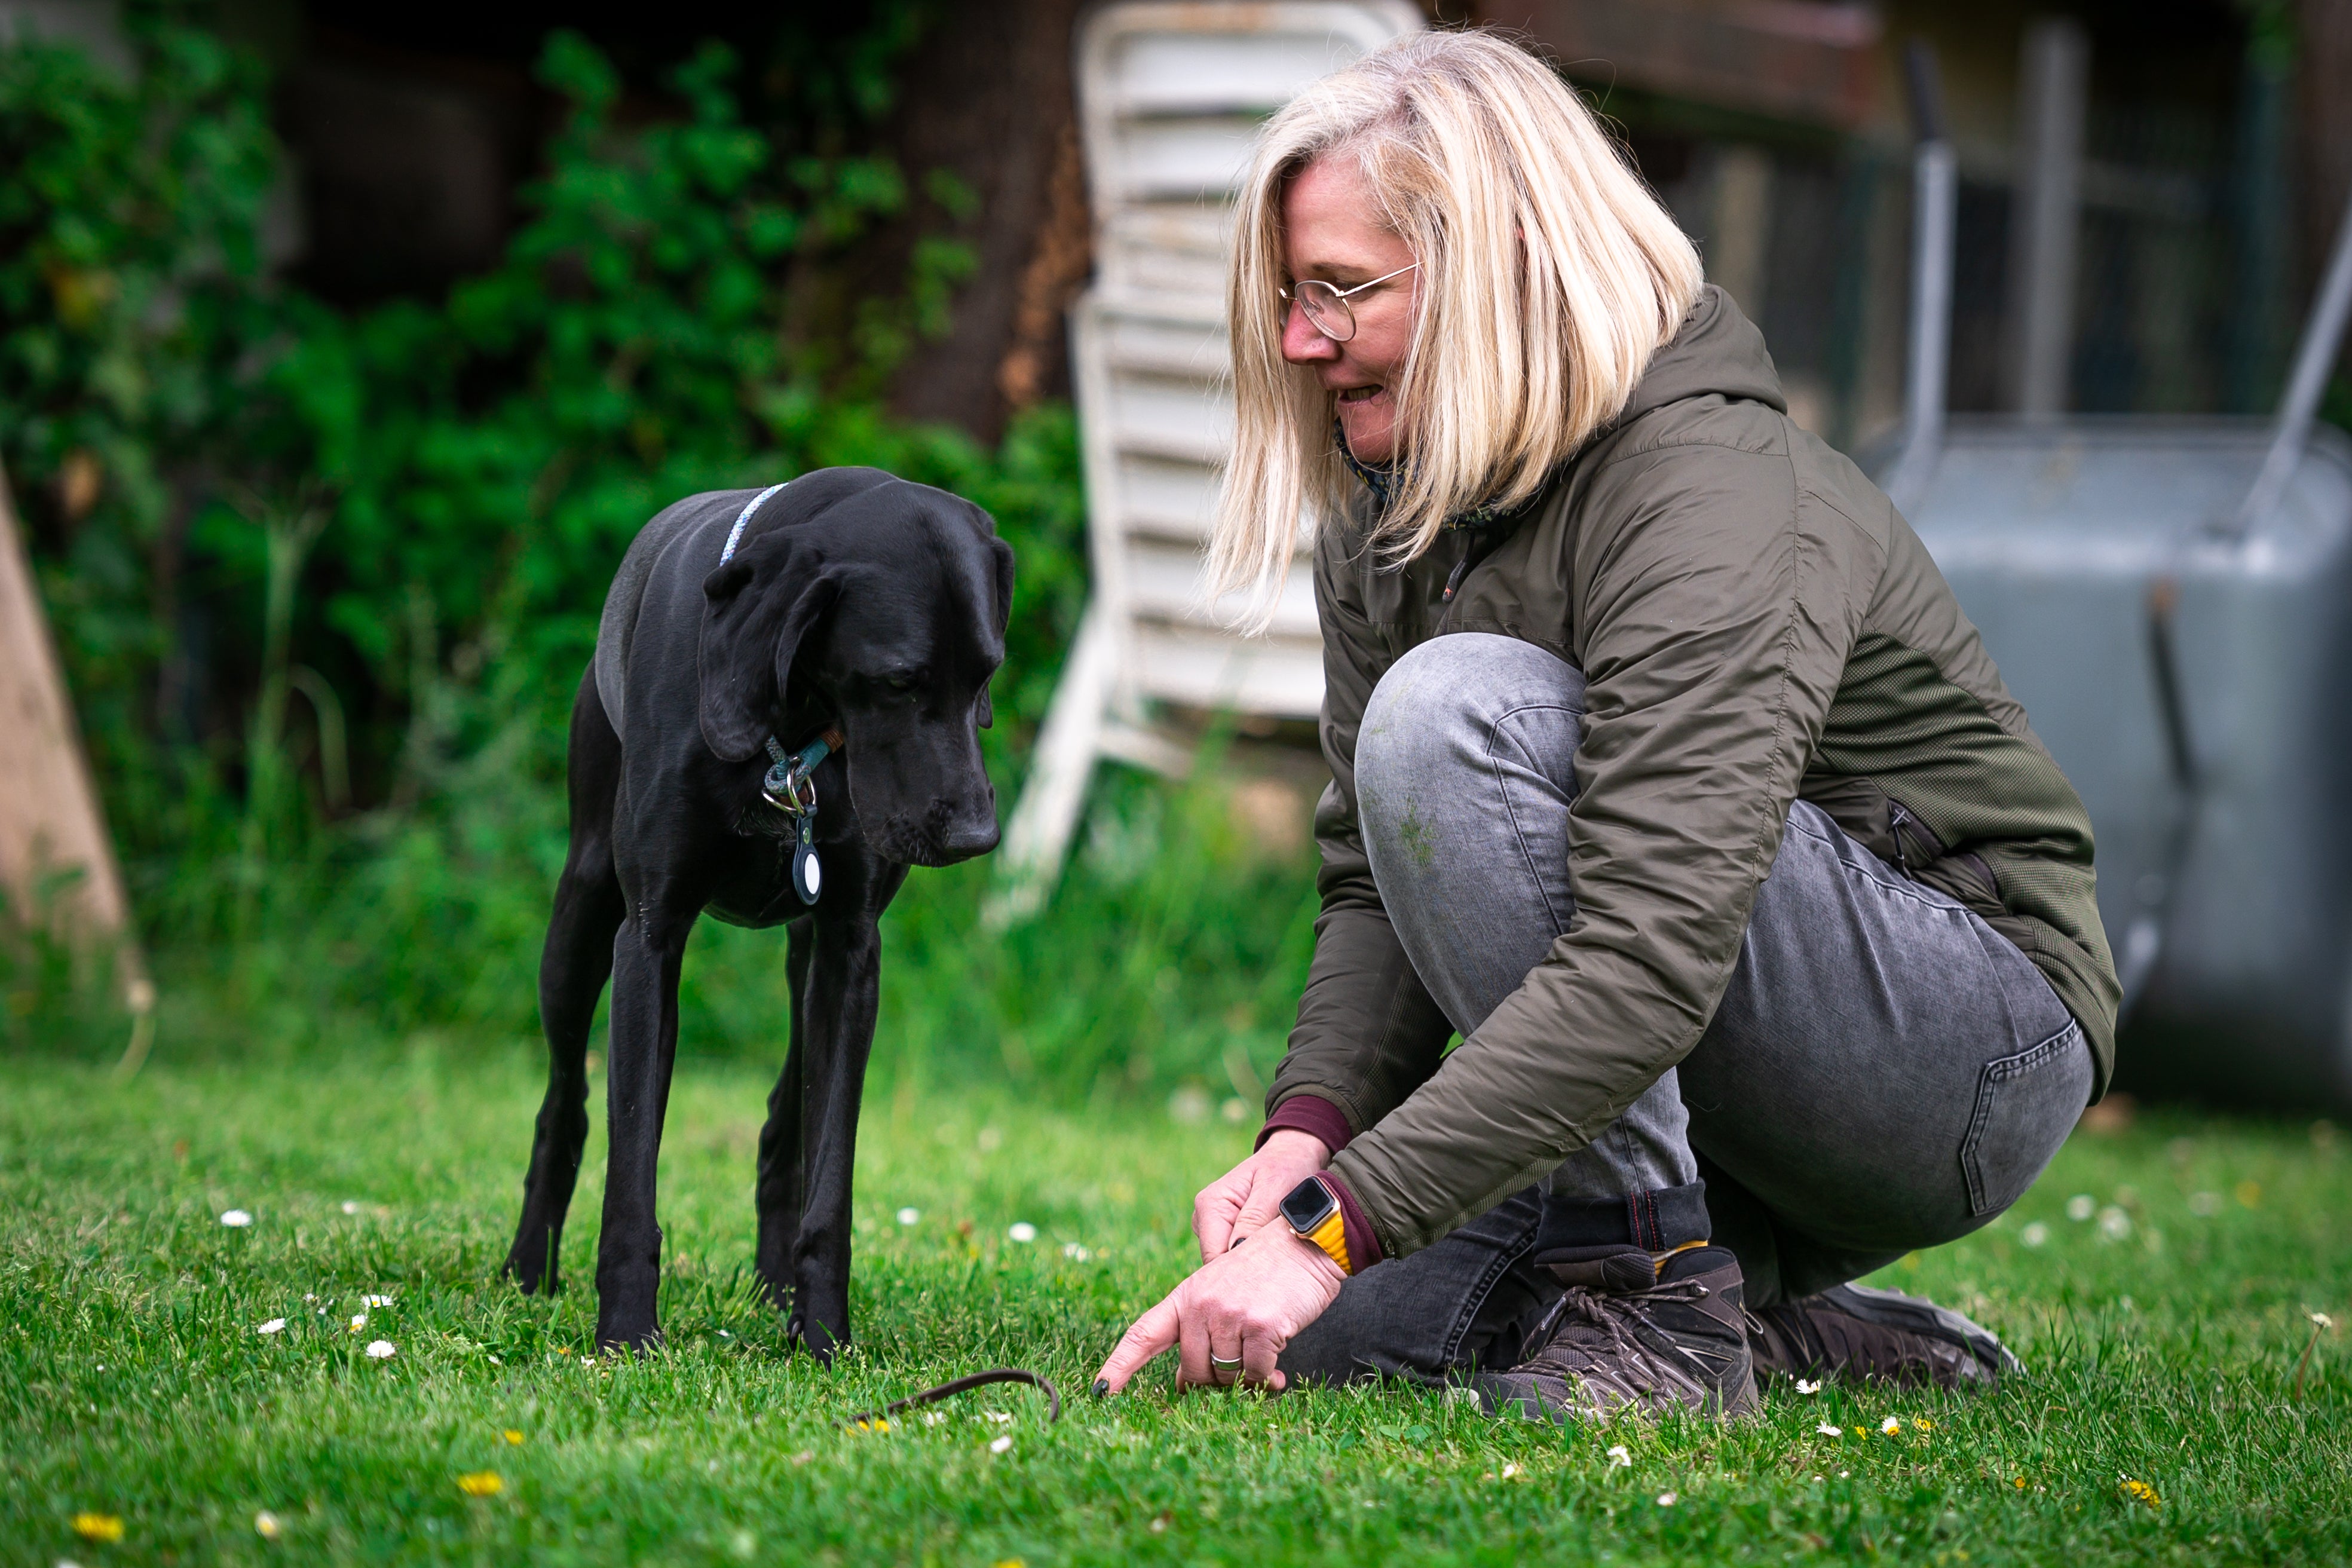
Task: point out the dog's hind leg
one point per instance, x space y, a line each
842 994
573 968
781 1184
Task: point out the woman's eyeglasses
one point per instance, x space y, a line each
1327 305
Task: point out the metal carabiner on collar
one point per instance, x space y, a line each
788 785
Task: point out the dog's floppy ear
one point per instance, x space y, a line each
756 610
1001 615
1004 553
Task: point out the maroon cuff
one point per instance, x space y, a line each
1308 1114
1363 1242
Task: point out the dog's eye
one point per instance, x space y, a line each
899 682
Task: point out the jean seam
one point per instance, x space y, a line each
1510 813
1994 1073
1927 898
1504 1258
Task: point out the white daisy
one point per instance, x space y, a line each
1813 1387
1002 1445
1620 1458
1021 1231
1826 1430
909 1216
382 1350
1667 1500
236 1219
275 1326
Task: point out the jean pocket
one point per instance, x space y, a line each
2026 1104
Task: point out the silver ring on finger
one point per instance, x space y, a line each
1223 1366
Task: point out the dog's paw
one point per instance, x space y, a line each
810 1335
530 1270
615 1338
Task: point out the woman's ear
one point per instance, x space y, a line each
752 625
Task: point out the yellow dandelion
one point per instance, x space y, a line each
2020 1483
514 1438
2141 1493
875 1424
1924 1425
481 1483
106 1527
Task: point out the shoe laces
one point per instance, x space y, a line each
1611 1316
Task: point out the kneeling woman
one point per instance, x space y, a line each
1666 772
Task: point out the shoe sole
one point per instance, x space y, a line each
1893 1310
1503 1396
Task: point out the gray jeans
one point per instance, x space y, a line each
1884 1071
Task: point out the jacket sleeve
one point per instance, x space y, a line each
1368 1032
1713 632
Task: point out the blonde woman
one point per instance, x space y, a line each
1666 772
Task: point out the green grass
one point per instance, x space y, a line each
132 1383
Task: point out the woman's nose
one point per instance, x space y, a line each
1301 344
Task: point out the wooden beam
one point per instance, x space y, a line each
1792 59
50 819
2324 58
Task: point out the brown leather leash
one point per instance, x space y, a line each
873 1418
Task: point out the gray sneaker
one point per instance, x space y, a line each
1676 1340
1854 1331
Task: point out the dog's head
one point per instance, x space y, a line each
877 605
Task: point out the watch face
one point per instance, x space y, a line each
1308 1205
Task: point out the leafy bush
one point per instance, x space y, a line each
326 580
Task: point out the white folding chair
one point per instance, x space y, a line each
1170 96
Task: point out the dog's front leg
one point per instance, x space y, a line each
647 952
837 1034
783 1164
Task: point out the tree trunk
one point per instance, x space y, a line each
987 99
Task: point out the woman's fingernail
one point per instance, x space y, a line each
1102 1387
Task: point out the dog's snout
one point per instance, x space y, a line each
976 837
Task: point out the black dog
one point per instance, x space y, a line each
849 602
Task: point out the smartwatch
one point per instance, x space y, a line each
1311 1209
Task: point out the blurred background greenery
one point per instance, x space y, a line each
324 571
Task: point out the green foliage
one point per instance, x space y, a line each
343 801
134 1382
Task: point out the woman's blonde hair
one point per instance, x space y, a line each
1548 275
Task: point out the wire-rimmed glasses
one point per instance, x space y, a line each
1326 304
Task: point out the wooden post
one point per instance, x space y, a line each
50 820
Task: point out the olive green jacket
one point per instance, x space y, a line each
1755 625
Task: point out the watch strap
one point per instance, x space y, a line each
1330 1232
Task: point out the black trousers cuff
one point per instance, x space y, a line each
1656 1221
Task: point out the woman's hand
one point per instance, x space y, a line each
1237 1205
1242 1306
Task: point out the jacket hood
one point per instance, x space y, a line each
1718 350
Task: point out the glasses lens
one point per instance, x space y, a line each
1325 310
